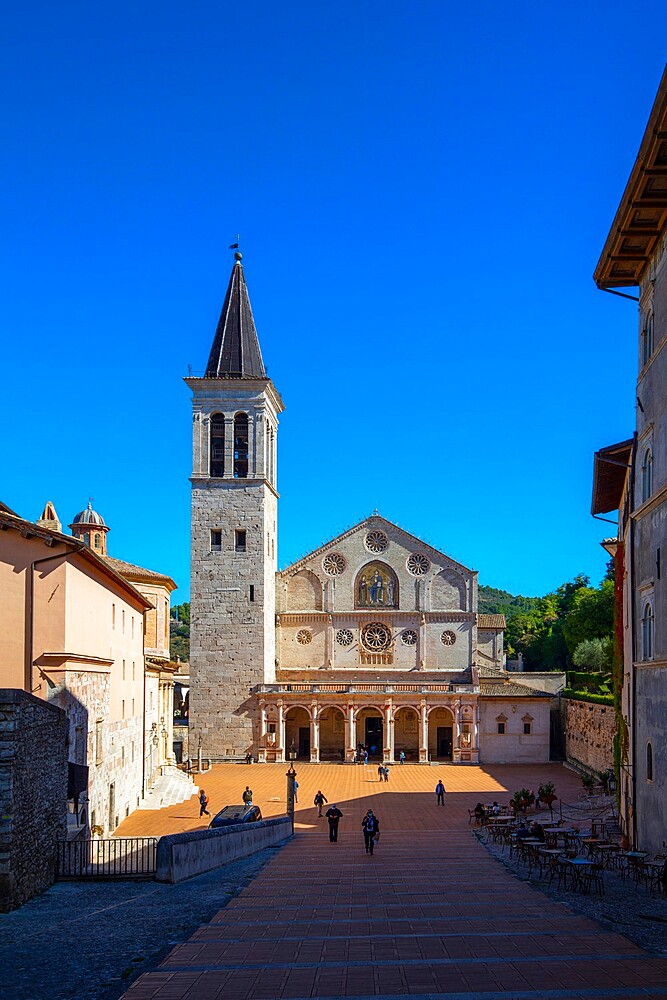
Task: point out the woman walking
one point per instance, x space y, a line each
371 828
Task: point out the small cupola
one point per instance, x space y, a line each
89 527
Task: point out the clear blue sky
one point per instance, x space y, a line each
422 190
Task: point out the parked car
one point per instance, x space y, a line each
236 814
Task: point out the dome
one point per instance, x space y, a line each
88 516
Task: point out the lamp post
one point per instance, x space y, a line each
291 778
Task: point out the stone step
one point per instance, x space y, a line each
170 789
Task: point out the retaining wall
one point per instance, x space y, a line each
183 855
589 734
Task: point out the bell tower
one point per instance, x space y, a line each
234 525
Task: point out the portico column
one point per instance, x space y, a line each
229 447
351 741
314 734
171 759
423 730
475 732
262 723
280 749
456 749
388 749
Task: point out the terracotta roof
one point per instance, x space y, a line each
133 573
236 352
610 468
510 689
641 218
491 621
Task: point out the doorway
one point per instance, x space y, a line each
304 741
444 742
373 736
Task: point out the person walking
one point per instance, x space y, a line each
334 815
386 773
380 772
296 790
371 828
247 796
401 757
203 802
319 801
440 792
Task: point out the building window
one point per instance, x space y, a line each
252 592
647 632
649 761
133 708
123 669
123 621
527 729
132 752
217 453
133 631
113 616
647 340
501 728
97 541
122 709
134 674
647 475
216 541
241 446
239 541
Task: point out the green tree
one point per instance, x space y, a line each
590 615
594 654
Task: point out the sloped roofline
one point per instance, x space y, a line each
376 519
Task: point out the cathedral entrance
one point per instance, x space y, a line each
297 732
445 742
440 734
406 734
373 732
304 742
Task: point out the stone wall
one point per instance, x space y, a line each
589 734
33 794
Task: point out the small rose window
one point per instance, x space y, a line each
304 636
418 564
376 541
448 638
334 564
409 637
344 637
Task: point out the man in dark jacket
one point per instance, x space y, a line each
334 815
371 828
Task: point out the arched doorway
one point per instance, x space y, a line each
332 733
440 734
297 733
406 733
370 731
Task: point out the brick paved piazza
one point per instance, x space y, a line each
430 915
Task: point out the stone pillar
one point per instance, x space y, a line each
456 748
169 717
388 749
350 735
262 723
229 447
423 733
314 734
475 733
421 645
280 749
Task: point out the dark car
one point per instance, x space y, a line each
236 814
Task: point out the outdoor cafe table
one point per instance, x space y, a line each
578 865
605 852
561 831
634 859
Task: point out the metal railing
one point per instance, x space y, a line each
117 857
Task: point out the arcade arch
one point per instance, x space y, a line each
331 720
370 730
297 732
440 734
406 732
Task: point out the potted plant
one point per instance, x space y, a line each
588 781
521 800
547 794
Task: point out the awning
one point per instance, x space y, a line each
610 468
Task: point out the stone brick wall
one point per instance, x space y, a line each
589 734
33 794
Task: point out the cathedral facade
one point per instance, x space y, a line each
373 640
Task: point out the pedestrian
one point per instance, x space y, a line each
371 828
319 801
296 790
203 802
440 792
247 796
380 772
401 757
334 815
365 757
386 774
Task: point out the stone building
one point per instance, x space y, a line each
631 477
373 639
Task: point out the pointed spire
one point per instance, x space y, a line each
235 352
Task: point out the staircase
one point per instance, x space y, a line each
171 788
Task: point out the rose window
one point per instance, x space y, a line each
344 637
418 564
376 541
334 564
304 636
409 637
448 638
376 637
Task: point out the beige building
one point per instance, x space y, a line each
73 635
373 639
631 477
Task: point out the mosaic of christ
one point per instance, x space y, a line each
376 586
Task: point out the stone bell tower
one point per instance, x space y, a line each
234 532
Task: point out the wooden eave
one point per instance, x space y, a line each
610 470
641 218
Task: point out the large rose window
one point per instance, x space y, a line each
376 541
376 637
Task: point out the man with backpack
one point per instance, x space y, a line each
371 828
319 801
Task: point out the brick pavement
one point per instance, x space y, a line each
432 914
